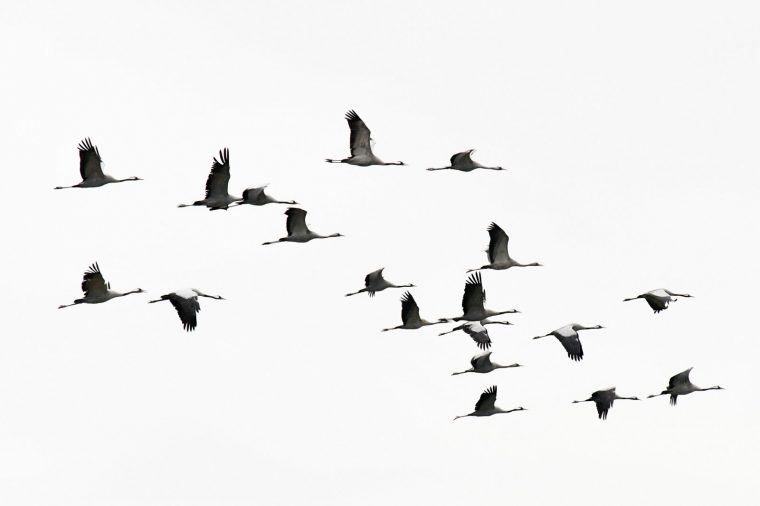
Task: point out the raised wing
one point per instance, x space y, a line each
187 309
487 400
410 311
572 345
479 334
481 361
219 177
498 245
462 159
93 283
89 160
253 194
474 295
682 378
296 223
360 135
373 277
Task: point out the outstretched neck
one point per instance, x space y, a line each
393 163
134 178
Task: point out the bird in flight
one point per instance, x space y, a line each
256 196
375 282
473 299
658 299
297 229
568 337
604 399
410 315
463 162
482 364
486 405
187 305
96 289
477 331
498 252
91 168
361 150
217 194
680 384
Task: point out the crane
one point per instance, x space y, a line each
91 168
486 405
361 150
473 299
375 282
477 331
482 364
410 315
463 162
604 400
297 229
186 303
680 384
659 299
568 337
498 253
96 289
217 194
256 196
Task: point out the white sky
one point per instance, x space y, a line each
630 131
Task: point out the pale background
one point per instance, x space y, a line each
630 130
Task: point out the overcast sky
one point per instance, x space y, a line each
630 132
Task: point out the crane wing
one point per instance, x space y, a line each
360 135
253 194
479 334
498 245
89 160
373 277
296 222
187 309
462 159
93 283
481 361
219 177
410 311
474 295
682 378
487 400
572 345
603 400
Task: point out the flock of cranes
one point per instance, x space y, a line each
474 313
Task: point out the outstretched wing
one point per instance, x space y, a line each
296 223
572 345
89 160
219 177
498 245
93 283
410 311
682 378
481 361
487 400
479 334
253 194
474 295
360 135
187 309
462 159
